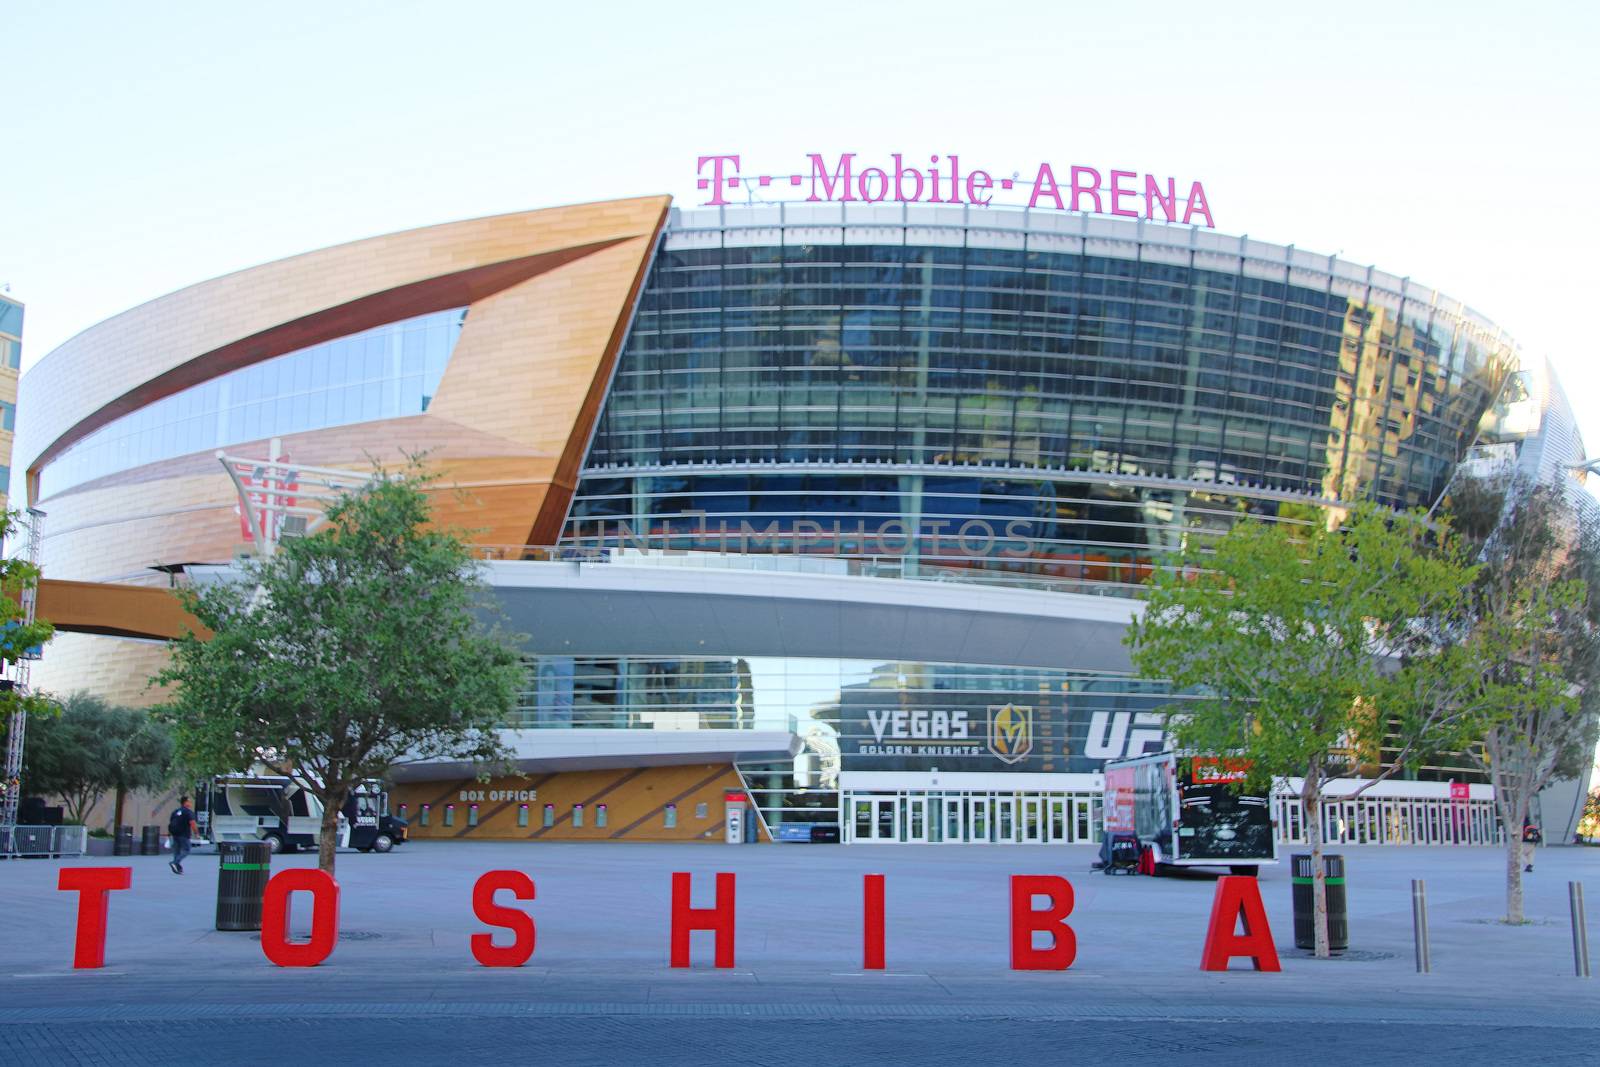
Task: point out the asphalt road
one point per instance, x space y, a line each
580 1040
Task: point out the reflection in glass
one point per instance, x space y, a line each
1107 408
386 372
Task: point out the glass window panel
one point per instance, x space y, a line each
414 353
345 380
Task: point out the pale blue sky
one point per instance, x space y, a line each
148 146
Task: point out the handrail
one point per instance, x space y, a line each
950 569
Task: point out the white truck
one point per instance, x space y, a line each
1188 812
281 811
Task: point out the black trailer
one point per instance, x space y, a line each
282 811
1189 812
372 827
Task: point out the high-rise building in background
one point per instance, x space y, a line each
10 368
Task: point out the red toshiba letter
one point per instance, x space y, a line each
275 904
872 922
484 950
1024 921
93 886
1238 898
718 918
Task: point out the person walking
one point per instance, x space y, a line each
181 827
1531 837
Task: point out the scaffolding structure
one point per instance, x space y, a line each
16 679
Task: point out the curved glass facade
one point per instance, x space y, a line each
1076 406
383 373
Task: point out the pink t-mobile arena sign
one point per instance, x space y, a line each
943 181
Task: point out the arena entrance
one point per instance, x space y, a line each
986 818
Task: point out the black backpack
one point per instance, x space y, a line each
178 823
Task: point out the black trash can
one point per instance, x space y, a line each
242 871
150 841
122 843
1305 904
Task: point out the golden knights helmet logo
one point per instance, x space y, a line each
1010 732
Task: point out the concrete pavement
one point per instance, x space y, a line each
403 970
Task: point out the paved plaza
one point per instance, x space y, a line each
402 985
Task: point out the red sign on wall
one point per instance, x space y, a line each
1119 800
1213 770
274 494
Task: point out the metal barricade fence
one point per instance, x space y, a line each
26 841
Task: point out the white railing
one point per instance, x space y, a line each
1387 820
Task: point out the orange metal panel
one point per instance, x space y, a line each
115 610
636 800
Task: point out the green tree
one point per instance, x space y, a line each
349 651
91 746
70 755
1589 824
1283 635
141 757
1532 635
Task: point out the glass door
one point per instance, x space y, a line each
1005 820
978 819
1058 827
915 819
885 821
954 819
1033 820
873 819
861 819
1085 826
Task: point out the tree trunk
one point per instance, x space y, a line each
116 814
1513 813
328 840
78 804
1311 805
1514 913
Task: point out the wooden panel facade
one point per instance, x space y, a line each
116 610
505 431
635 799
130 359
